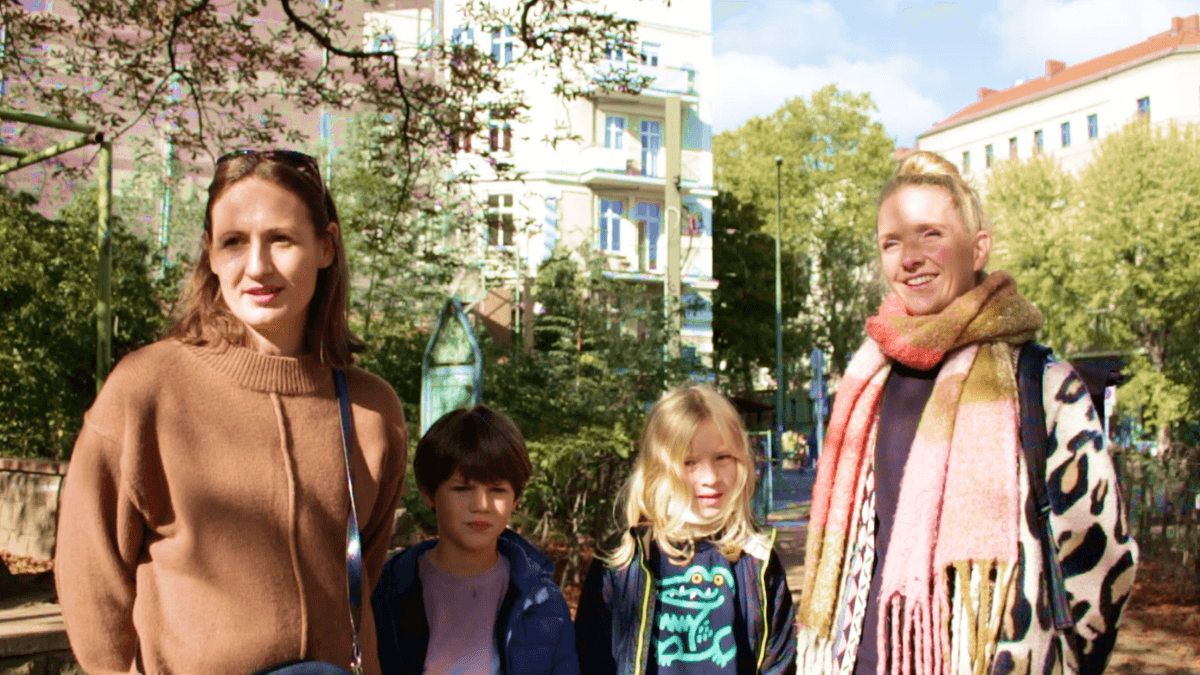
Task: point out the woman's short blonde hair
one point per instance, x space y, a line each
927 168
658 494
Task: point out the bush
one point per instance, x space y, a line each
48 318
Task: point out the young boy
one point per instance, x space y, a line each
479 599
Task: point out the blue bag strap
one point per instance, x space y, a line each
353 538
1031 368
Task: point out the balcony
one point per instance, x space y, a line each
608 167
664 80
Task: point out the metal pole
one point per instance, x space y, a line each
164 230
44 121
779 409
104 272
52 151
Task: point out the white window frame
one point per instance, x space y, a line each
609 224
500 213
648 216
614 132
651 130
463 36
503 46
649 54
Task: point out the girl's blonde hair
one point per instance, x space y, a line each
659 496
927 168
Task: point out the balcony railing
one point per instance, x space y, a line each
664 80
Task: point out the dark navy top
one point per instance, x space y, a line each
904 397
695 610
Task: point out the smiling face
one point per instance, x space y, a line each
710 468
927 256
471 515
266 253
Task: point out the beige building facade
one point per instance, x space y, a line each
1068 110
605 189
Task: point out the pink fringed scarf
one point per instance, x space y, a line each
954 543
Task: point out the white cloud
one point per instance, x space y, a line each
1031 31
749 85
786 30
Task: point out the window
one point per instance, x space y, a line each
1093 127
989 155
1012 148
610 224
966 162
500 220
385 43
499 135
463 36
460 138
614 132
649 222
1144 107
1065 127
502 45
649 54
651 147
613 52
1038 142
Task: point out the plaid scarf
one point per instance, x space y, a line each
948 572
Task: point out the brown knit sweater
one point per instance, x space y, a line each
203 521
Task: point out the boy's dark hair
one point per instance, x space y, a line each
485 445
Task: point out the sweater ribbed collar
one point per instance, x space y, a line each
255 371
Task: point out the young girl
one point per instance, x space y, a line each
691 587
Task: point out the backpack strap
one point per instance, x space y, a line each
1031 369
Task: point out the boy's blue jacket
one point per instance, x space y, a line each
612 624
534 633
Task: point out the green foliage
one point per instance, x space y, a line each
573 492
744 302
836 160
1111 259
47 317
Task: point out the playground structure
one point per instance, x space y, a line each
89 136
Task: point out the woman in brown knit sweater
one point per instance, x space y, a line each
203 522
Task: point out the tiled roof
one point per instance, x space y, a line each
1184 36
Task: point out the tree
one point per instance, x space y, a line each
836 160
47 317
744 302
1119 261
212 75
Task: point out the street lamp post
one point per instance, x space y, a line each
780 386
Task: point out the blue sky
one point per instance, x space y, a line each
921 61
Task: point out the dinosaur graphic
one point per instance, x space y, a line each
697 592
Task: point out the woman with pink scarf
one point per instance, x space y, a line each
923 555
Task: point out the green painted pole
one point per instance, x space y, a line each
779 409
52 151
44 121
104 323
12 152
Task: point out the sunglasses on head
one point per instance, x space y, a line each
293 158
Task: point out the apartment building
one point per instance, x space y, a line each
607 189
1067 110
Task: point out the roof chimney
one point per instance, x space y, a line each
1054 67
1176 24
984 92
1192 23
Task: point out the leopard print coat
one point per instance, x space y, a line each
1096 550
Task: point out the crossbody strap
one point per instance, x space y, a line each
353 539
1031 368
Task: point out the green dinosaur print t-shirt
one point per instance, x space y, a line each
693 616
